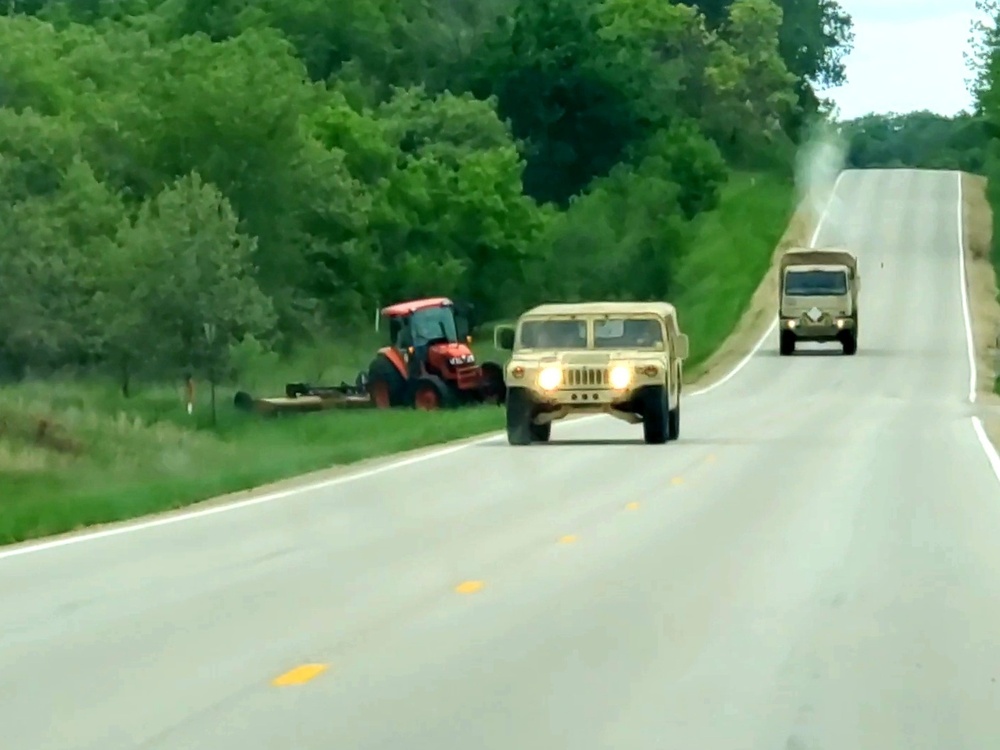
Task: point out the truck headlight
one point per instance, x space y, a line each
550 378
620 377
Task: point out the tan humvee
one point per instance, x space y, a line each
818 298
619 358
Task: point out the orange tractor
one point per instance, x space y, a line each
429 364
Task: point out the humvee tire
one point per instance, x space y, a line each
850 342
541 433
519 408
655 416
674 421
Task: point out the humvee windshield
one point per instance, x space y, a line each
627 333
816 283
553 334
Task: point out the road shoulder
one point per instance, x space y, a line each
984 309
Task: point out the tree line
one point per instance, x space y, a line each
923 140
185 177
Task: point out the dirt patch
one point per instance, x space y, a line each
977 225
759 315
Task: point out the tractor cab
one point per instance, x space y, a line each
426 323
429 362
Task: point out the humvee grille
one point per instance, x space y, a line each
583 377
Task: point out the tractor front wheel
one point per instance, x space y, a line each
493 390
431 393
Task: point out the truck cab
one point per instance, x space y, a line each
818 298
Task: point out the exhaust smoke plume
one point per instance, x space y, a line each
818 162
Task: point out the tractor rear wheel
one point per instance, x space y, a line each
386 384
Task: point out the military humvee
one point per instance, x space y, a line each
818 298
619 358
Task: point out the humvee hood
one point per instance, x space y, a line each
589 357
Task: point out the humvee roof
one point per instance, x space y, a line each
664 309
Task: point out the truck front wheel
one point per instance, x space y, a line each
850 342
786 343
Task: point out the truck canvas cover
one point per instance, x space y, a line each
819 257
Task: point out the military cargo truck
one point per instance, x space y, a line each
818 298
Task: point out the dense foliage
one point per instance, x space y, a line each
182 177
984 63
923 140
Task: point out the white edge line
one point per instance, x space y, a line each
963 279
139 525
988 448
774 323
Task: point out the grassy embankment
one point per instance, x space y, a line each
103 458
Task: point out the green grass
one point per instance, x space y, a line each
105 458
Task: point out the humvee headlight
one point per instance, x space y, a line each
550 378
792 323
841 322
620 377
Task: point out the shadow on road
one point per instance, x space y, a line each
831 352
555 443
699 442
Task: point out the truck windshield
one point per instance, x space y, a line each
433 324
816 283
553 334
628 333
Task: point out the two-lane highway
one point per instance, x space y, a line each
815 565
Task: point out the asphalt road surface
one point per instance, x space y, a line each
814 565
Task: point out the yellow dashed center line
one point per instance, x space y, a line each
300 675
676 481
632 506
711 459
568 539
469 587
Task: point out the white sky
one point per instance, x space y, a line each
908 55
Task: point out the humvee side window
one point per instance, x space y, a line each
628 333
553 334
